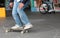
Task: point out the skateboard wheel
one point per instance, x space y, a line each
7 31
27 31
22 32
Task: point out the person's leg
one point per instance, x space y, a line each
15 16
50 6
24 18
27 3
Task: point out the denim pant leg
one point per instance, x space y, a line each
15 14
50 5
23 16
27 3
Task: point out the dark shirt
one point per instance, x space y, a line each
11 0
45 0
24 1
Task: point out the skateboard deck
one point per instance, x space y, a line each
20 30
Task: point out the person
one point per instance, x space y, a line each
19 15
38 2
50 7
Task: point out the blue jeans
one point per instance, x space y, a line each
19 15
49 4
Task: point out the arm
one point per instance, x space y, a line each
11 3
24 1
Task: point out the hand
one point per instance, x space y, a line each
11 5
21 5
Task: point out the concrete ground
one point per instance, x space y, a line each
45 26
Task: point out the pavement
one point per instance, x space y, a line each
45 26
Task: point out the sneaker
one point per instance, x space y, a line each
28 26
16 27
51 10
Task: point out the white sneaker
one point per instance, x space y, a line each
16 27
51 10
27 26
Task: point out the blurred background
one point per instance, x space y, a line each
5 4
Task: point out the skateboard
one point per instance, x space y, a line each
20 30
